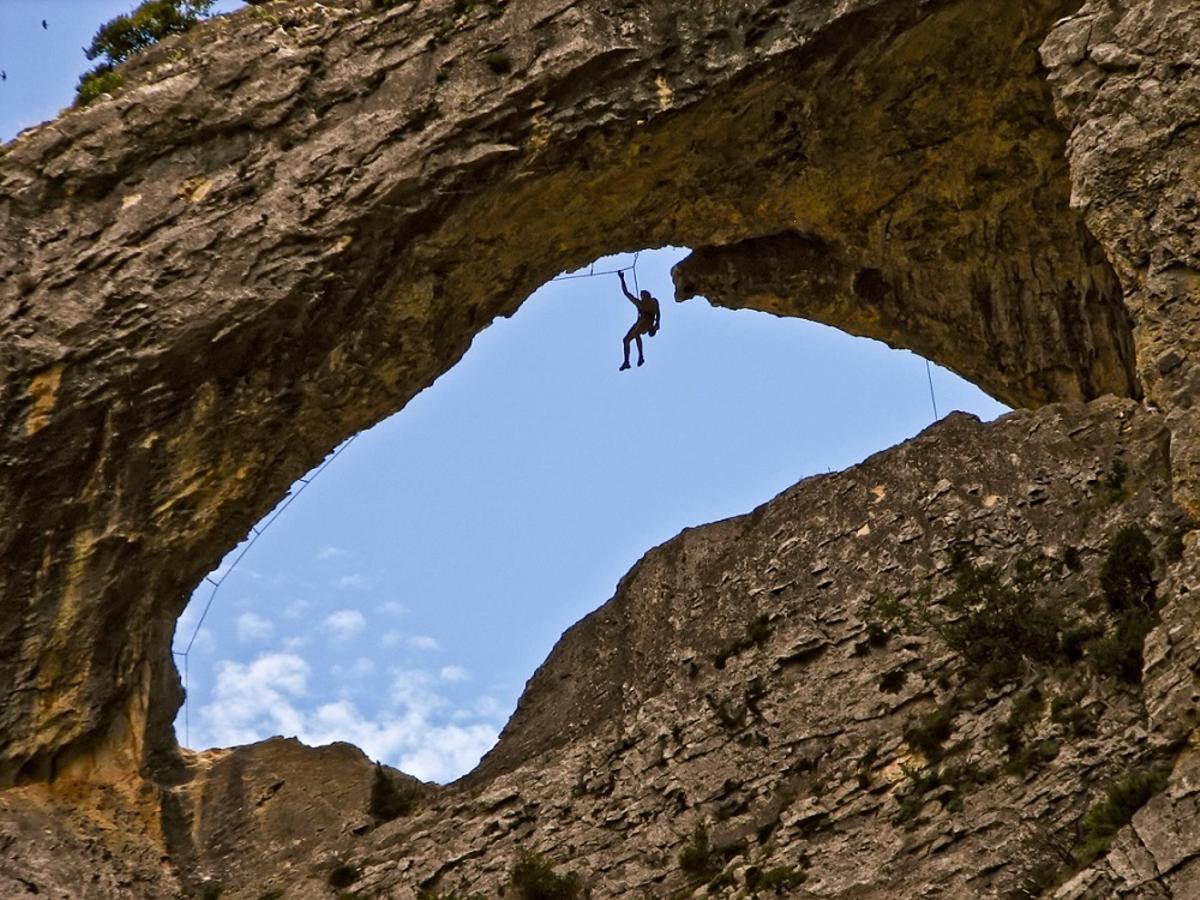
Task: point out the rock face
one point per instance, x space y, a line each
737 683
291 220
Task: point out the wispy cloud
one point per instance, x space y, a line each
254 628
362 667
452 674
346 623
297 609
423 642
355 581
393 608
329 552
431 752
252 701
415 732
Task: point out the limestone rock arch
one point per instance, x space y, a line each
292 220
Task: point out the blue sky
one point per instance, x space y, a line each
403 599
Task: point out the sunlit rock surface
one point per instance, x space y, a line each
293 219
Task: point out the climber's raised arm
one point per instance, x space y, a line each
632 299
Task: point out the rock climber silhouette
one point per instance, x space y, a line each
647 323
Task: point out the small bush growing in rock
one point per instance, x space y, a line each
720 882
697 857
100 80
994 624
1127 582
120 38
343 875
776 880
1120 653
731 715
391 796
1121 800
891 682
928 733
1127 576
864 765
534 878
1026 709
1066 710
499 62
991 623
1114 480
923 781
758 631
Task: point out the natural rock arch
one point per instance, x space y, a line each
250 254
290 221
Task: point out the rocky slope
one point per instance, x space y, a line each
291 220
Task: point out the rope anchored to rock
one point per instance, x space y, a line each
255 533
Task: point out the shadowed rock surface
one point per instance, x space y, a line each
293 219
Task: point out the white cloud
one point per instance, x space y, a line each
488 707
453 674
393 608
423 642
448 751
485 707
252 701
254 628
346 622
413 744
353 582
412 690
296 642
329 552
266 697
297 609
362 667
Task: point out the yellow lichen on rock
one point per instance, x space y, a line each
43 389
665 94
195 189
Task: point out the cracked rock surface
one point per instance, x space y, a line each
288 222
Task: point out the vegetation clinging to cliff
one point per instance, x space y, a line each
120 38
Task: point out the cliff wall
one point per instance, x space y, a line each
291 220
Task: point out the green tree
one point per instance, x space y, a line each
122 37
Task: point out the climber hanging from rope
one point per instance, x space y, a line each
647 323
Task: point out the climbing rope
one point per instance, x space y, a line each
932 396
592 273
215 583
257 532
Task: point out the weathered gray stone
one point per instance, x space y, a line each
291 220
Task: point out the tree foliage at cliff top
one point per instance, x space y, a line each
120 38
